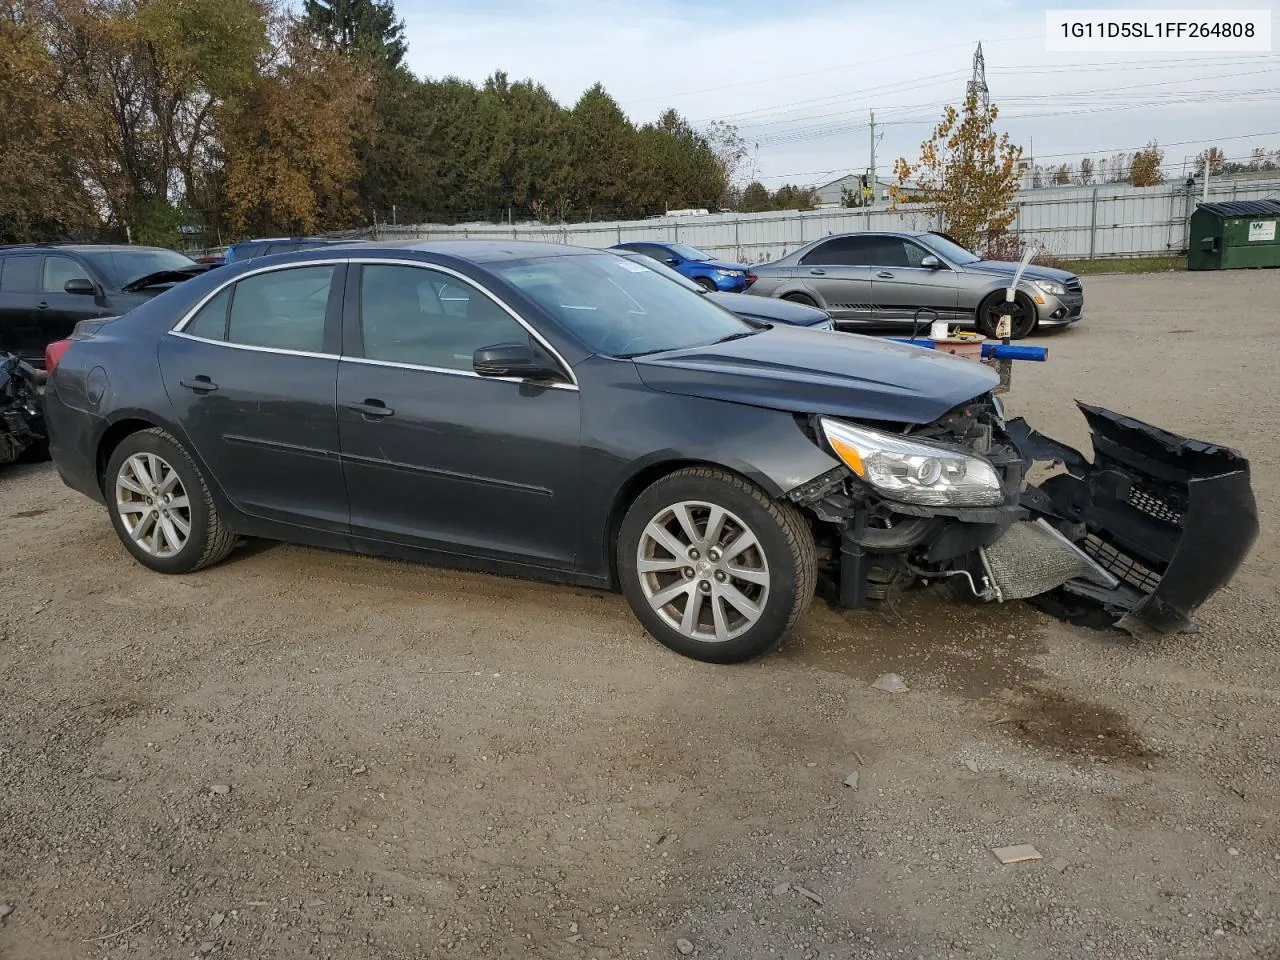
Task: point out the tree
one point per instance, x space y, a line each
730 151
1086 171
367 29
1145 169
755 198
1062 175
788 197
1214 159
967 171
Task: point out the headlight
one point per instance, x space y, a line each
823 325
1049 287
914 471
729 273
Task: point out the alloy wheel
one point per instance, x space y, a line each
703 570
153 505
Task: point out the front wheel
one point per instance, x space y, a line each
1022 310
706 283
713 567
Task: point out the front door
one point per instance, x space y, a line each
61 311
900 286
836 272
437 456
252 379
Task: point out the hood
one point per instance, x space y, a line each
769 309
1004 268
812 371
721 265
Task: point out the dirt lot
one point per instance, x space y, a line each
425 763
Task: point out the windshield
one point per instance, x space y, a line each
122 267
948 248
663 270
619 308
686 252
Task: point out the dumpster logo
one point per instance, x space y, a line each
1262 230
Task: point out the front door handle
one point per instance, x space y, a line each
818 273
200 384
42 305
372 409
885 275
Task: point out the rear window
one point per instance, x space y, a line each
20 274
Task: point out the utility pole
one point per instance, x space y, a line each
871 174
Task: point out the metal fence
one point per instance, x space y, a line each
1072 223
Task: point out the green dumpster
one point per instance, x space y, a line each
1239 233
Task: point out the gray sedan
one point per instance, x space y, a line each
870 279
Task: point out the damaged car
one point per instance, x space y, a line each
570 415
22 432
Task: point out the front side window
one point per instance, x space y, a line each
620 308
283 309
58 271
427 318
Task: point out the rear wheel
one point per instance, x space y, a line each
161 507
801 298
1022 310
713 567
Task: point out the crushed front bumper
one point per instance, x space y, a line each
1169 519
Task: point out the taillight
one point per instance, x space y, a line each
751 278
53 353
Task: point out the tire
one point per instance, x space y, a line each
706 283
1024 317
781 562
136 509
801 298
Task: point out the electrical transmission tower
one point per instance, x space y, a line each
979 81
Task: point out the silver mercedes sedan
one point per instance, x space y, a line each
884 279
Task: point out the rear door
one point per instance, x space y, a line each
252 377
435 455
20 321
900 285
836 272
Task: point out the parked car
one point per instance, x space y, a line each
873 279
569 415
702 268
248 249
761 309
46 289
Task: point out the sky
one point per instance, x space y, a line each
799 79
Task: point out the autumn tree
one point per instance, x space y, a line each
1145 170
1214 159
1086 171
967 172
1062 175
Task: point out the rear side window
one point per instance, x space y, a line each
59 270
284 309
211 321
20 274
842 251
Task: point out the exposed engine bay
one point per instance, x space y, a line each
22 432
1138 537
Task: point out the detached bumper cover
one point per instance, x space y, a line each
21 411
1170 518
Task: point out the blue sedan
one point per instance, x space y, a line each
702 268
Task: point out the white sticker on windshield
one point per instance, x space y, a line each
631 266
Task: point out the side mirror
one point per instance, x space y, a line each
931 263
512 360
672 261
80 285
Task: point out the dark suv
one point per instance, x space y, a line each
46 289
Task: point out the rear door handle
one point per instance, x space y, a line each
372 409
818 273
42 305
885 275
200 384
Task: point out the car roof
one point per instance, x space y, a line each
245 243
82 247
476 251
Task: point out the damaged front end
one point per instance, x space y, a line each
1140 537
22 430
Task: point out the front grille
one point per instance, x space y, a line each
1119 565
1074 285
1154 506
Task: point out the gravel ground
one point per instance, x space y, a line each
301 753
